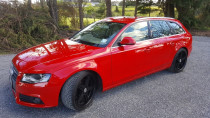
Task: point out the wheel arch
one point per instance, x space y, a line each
177 49
66 73
173 67
185 49
96 74
98 79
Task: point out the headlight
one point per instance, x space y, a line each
35 78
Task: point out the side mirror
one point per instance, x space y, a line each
128 41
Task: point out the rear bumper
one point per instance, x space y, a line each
48 93
189 50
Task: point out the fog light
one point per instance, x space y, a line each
37 100
30 99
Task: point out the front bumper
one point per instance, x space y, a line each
47 92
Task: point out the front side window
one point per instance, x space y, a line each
98 34
176 28
138 31
159 29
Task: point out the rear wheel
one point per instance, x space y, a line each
78 91
179 61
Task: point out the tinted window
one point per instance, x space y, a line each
159 29
176 28
138 31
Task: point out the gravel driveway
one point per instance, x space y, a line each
163 94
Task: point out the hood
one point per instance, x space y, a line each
49 52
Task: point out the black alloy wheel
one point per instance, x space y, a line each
179 61
85 91
78 91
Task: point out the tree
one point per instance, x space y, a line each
108 8
205 10
29 4
81 14
116 9
90 11
100 12
52 4
130 3
187 11
135 13
42 3
123 7
145 7
167 7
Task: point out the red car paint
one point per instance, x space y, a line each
115 65
128 41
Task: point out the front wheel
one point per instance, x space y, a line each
78 91
179 61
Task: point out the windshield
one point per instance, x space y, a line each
98 34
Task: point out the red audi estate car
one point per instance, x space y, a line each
105 54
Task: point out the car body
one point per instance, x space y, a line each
113 64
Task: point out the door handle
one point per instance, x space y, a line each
186 38
147 50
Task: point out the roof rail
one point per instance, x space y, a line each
153 17
121 17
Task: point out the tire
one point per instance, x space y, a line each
78 91
179 61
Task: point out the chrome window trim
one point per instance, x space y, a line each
151 18
149 28
154 39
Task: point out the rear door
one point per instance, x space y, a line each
161 50
177 37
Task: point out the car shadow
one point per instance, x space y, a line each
133 84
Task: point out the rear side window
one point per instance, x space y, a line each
159 28
176 29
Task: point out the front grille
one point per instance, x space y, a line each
13 76
30 99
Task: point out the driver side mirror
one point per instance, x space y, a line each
128 41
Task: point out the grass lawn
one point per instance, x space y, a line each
86 22
129 11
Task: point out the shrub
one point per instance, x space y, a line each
21 28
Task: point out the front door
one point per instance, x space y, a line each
128 61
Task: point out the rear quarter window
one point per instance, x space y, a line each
176 29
